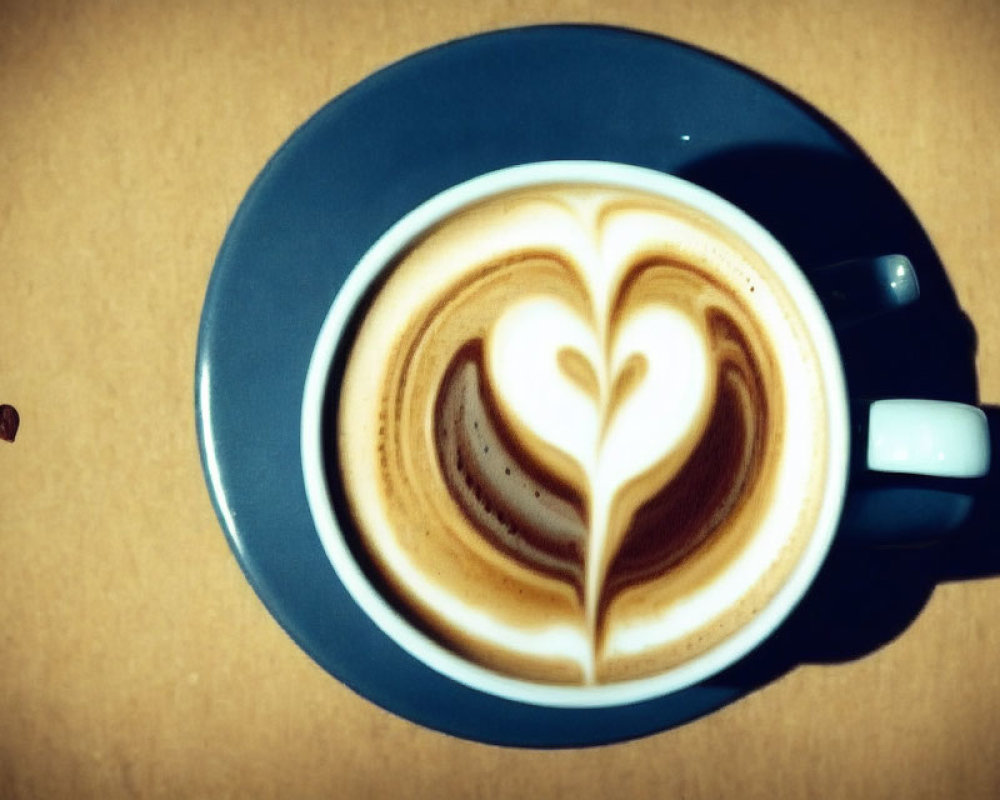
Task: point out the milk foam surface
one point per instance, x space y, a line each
563 427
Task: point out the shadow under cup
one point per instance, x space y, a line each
807 441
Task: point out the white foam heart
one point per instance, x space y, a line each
653 418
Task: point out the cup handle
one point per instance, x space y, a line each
916 472
936 438
915 461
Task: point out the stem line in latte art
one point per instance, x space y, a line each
565 427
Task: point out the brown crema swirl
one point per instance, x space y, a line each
460 502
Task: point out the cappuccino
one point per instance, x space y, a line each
581 434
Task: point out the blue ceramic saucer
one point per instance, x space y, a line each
400 137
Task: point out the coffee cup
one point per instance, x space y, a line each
577 434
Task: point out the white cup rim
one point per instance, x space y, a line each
418 644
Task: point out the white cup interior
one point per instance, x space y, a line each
317 479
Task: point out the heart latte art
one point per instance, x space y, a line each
564 422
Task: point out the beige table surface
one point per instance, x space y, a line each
135 660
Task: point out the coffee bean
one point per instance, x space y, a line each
9 421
